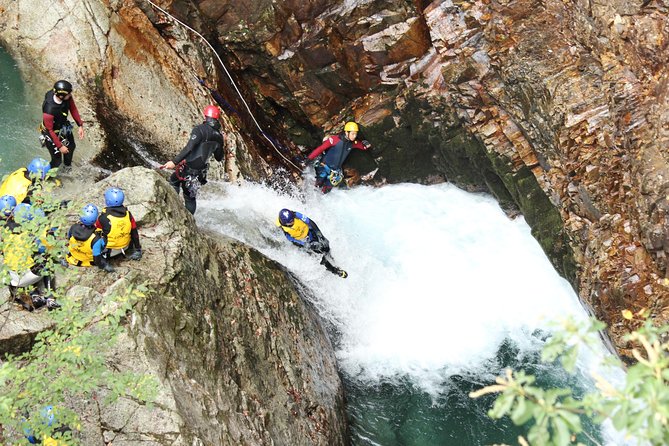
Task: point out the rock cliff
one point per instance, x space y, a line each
557 108
240 357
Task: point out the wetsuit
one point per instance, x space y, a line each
85 246
118 228
306 234
192 162
337 149
56 129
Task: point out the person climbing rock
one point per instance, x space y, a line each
191 164
21 183
118 227
303 232
85 242
56 130
337 149
24 258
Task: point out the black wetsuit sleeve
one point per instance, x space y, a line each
194 140
104 224
220 150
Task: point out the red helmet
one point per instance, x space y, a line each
211 111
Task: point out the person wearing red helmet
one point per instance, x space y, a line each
191 164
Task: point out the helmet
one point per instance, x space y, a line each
335 177
62 87
286 217
89 214
114 196
351 127
39 166
23 212
7 204
211 111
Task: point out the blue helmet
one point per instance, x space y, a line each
89 214
39 166
23 212
286 217
7 204
114 197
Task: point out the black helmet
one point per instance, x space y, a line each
62 87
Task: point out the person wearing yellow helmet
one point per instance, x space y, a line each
334 151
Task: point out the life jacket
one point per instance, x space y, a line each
19 257
299 230
119 235
58 111
17 185
80 245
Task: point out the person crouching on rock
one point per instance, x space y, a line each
118 227
21 183
192 163
303 232
85 242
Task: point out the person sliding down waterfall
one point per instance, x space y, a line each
303 232
329 169
192 162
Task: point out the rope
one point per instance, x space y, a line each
232 81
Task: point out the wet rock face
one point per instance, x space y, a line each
559 109
239 356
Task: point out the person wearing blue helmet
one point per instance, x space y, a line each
21 183
23 257
47 419
118 226
85 242
303 232
7 205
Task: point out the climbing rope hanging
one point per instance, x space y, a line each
232 81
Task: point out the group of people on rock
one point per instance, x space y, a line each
98 236
95 238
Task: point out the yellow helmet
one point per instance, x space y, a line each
351 127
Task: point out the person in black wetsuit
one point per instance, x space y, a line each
191 164
56 129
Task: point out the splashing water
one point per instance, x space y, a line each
442 285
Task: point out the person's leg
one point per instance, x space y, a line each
71 146
54 153
175 182
191 187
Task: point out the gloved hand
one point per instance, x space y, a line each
135 255
108 268
366 144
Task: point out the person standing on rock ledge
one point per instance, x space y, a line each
56 129
337 148
191 164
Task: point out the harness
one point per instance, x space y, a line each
191 178
334 176
63 134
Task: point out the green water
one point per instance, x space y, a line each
20 114
397 413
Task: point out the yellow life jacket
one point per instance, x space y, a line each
298 231
18 255
16 185
80 251
119 235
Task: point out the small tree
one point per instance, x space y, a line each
639 408
67 362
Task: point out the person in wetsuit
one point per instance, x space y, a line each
337 149
56 129
191 164
303 232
